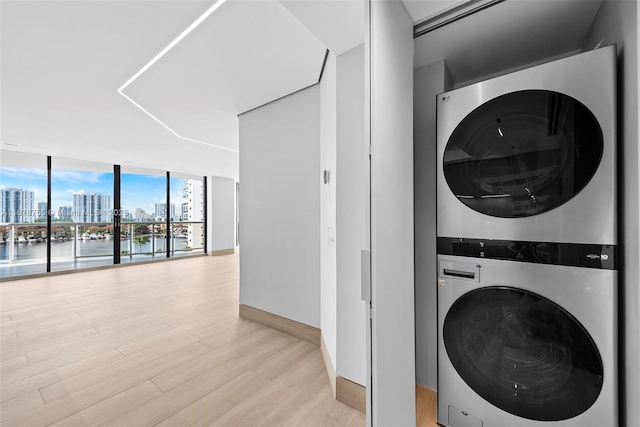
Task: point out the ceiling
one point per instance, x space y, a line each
198 88
507 36
62 63
159 83
72 87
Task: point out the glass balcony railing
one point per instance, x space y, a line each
26 244
187 237
23 242
150 238
69 240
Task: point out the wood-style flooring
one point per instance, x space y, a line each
153 344
425 407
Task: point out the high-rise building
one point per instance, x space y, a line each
65 213
92 207
195 212
184 212
140 215
42 211
16 205
126 216
79 208
161 211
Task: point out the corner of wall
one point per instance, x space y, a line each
331 372
448 81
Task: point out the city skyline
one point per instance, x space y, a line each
137 191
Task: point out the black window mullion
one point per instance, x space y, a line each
117 214
168 213
204 212
49 213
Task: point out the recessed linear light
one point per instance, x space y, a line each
160 55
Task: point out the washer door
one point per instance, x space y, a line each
523 353
523 153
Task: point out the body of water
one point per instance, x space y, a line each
64 249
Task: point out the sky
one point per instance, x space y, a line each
137 191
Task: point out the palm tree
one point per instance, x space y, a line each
141 238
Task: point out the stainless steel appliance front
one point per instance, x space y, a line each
524 344
531 155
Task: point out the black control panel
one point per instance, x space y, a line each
569 254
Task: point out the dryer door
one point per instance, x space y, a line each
523 353
523 153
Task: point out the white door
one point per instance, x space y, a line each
389 127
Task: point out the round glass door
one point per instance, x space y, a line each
523 153
523 353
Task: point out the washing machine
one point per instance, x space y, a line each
523 343
530 155
526 232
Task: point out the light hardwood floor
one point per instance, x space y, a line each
425 407
153 344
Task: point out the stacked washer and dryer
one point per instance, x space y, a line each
527 272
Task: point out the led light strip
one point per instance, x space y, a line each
160 55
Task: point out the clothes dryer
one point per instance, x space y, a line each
531 155
526 344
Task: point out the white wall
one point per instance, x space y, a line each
351 314
280 207
429 81
617 22
221 233
328 298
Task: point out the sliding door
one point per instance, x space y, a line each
389 121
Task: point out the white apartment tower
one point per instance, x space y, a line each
91 208
141 215
42 211
195 212
16 205
65 213
184 211
161 211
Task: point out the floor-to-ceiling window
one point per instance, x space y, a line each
145 214
82 214
23 205
63 214
187 221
